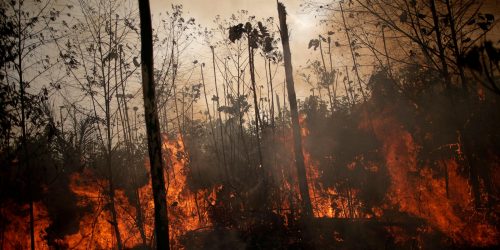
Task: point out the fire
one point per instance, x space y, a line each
416 191
17 226
187 210
445 205
419 191
96 229
324 200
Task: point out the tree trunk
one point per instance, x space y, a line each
24 145
439 40
326 71
221 124
272 96
107 107
456 51
255 102
210 116
153 128
128 133
354 61
299 157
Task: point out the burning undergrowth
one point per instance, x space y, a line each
401 174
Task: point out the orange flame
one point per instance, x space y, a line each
16 231
418 192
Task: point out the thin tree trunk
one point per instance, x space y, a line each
209 116
324 66
442 55
455 45
299 157
255 102
153 128
221 125
24 142
389 69
272 96
356 70
140 217
348 87
240 114
107 106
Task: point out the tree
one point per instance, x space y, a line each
441 30
256 37
153 127
299 156
25 30
98 57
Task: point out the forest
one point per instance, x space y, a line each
298 124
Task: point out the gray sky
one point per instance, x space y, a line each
303 26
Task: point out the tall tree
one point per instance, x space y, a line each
153 127
25 32
299 156
92 56
256 37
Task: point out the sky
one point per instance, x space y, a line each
303 26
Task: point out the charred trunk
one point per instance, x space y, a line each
299 156
153 128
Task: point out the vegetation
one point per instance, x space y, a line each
397 146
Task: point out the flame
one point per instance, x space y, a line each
16 231
95 227
325 200
187 210
416 190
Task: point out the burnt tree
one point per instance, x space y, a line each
153 128
299 156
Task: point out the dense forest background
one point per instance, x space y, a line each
391 143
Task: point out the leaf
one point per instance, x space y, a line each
489 17
493 53
472 59
235 32
403 17
267 45
484 26
314 43
248 27
263 30
136 62
253 42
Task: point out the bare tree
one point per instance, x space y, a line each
299 156
26 31
153 128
